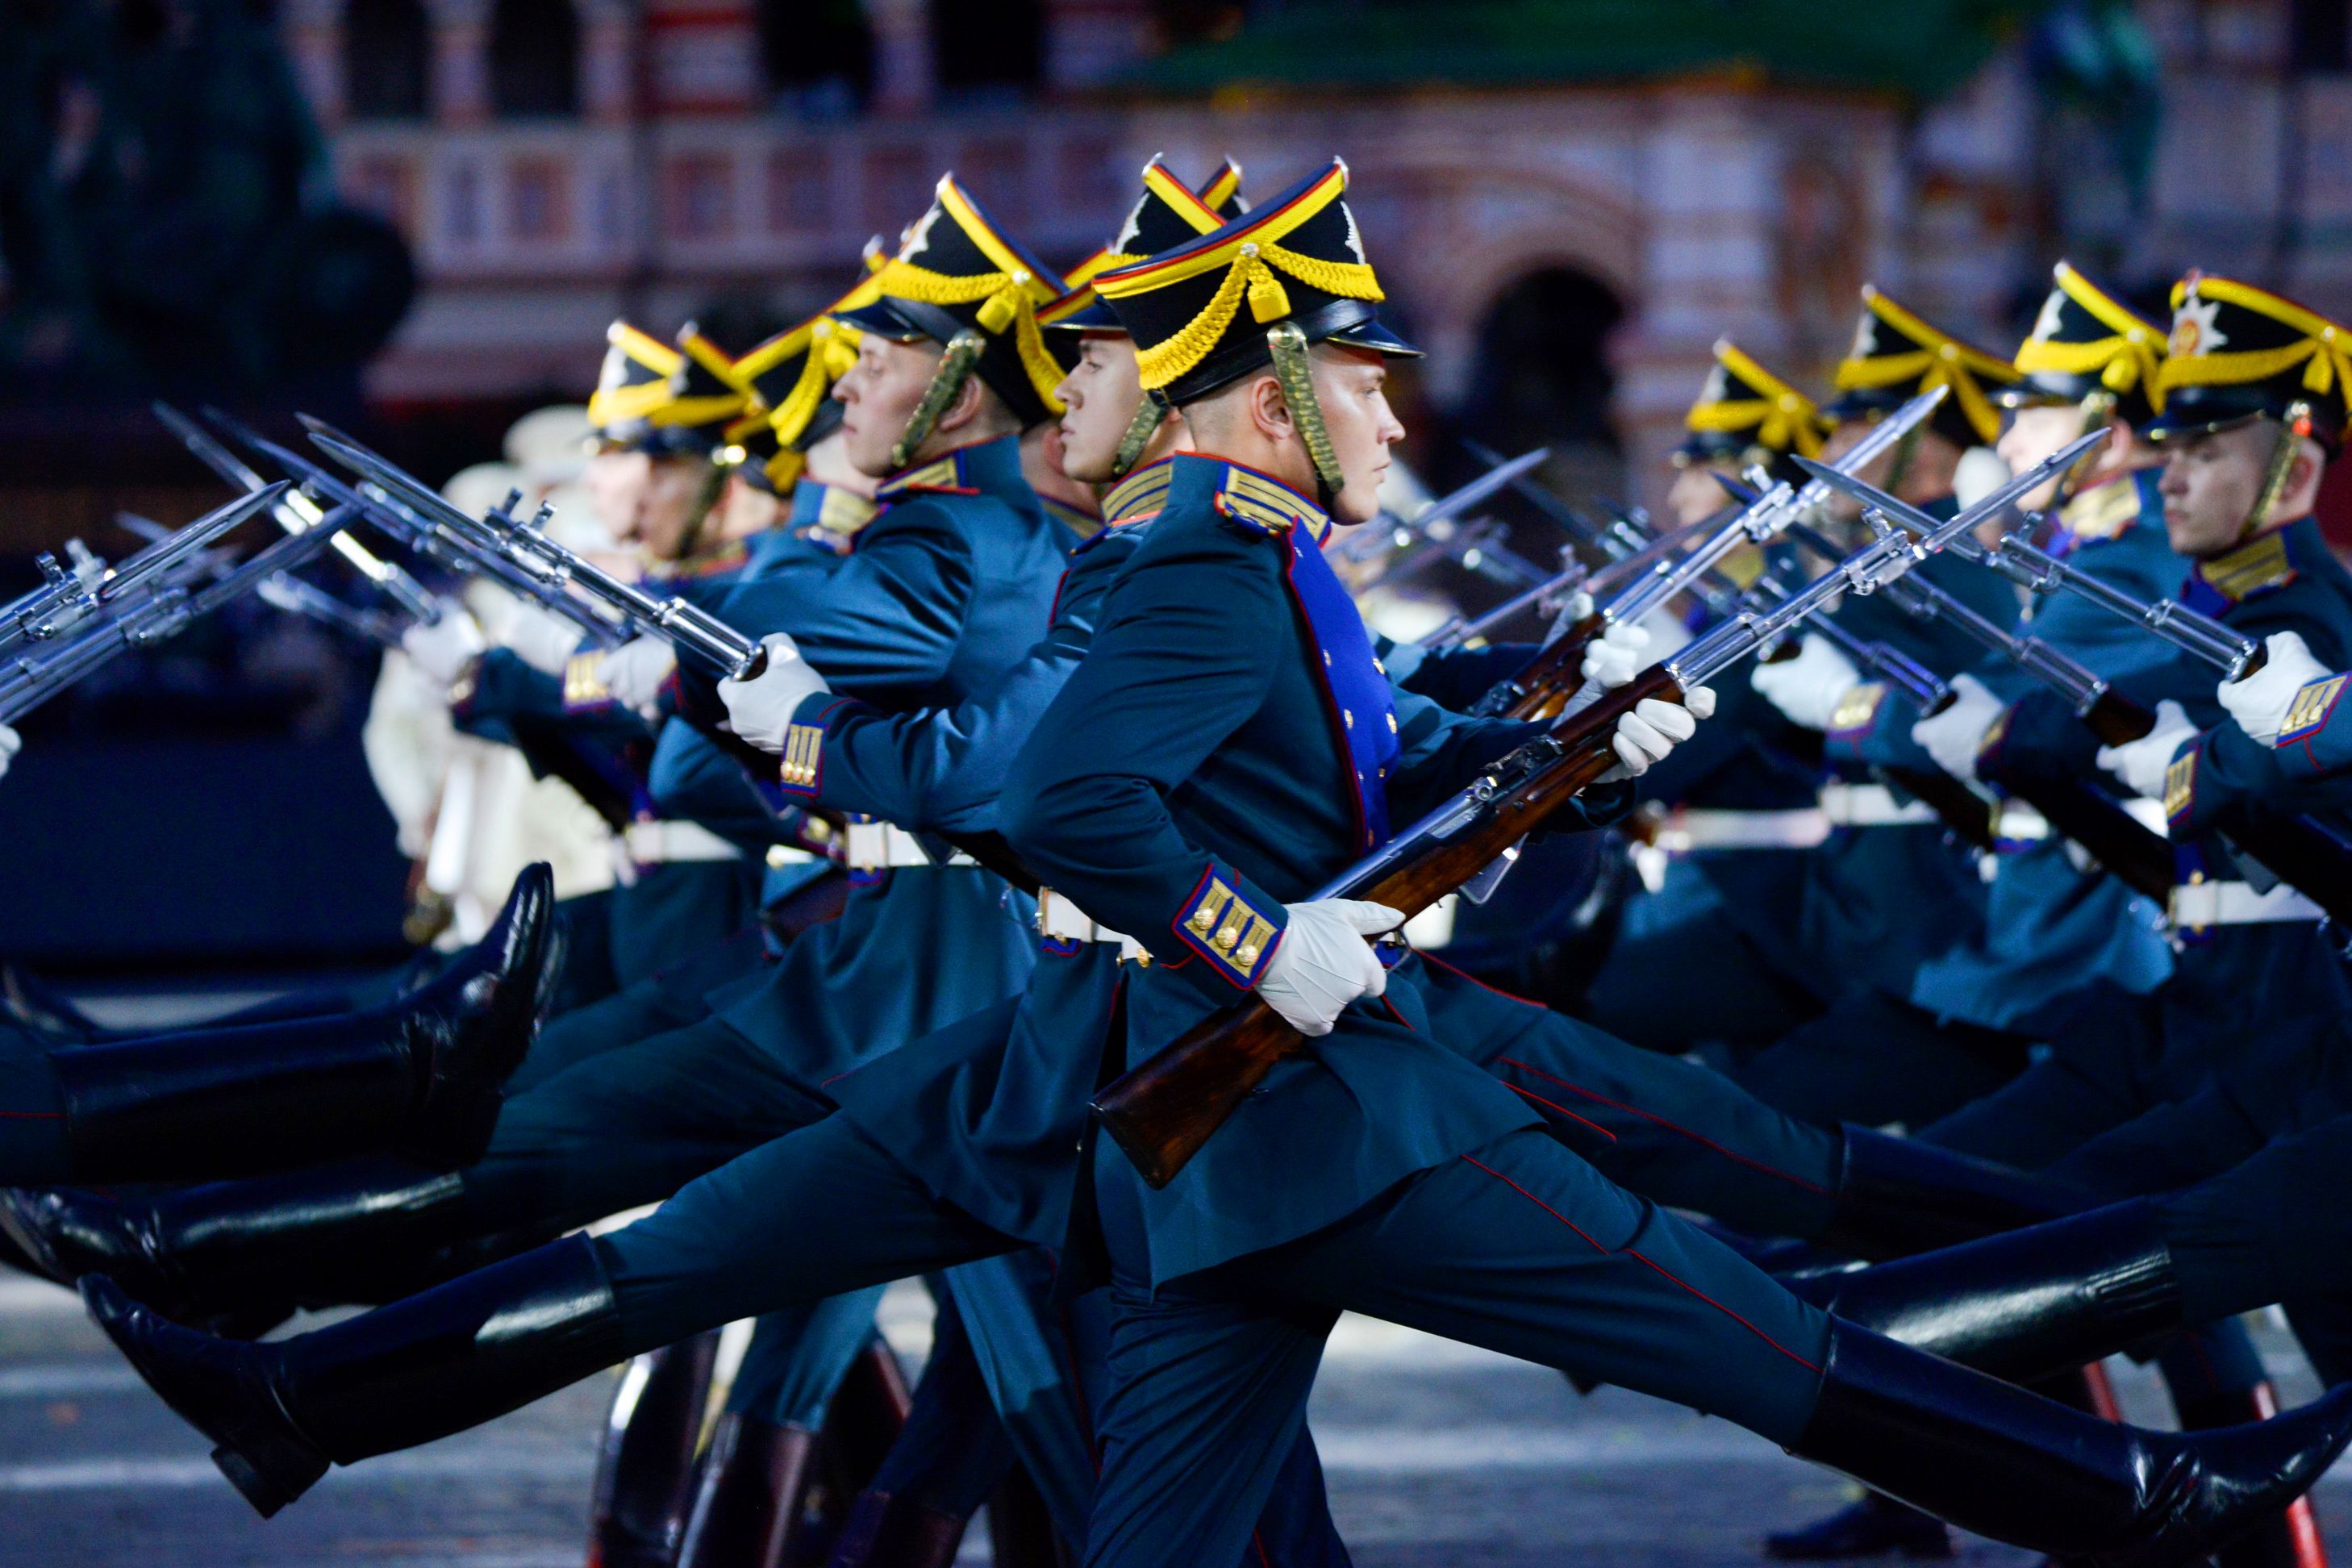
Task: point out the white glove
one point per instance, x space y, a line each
445 648
11 744
2141 764
633 673
1616 657
2259 703
760 709
1953 736
1323 961
1652 729
1809 687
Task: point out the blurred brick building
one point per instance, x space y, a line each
1568 201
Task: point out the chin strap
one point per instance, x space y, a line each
1292 373
706 502
2293 432
956 365
2098 410
1139 431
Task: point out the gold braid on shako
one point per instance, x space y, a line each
634 379
957 279
2085 346
1745 411
1263 288
1165 215
1923 358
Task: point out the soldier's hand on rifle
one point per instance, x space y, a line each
2260 702
1652 729
11 744
633 673
445 649
762 709
2141 764
1953 736
1322 962
1616 657
1809 687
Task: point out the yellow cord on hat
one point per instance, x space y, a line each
1250 259
2133 357
1005 300
2325 351
1786 420
1940 360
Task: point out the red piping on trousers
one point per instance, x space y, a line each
1629 1252
32 1115
1564 1110
1653 1116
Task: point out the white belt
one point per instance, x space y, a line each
2237 904
1871 806
1061 921
1712 827
2018 824
663 843
878 845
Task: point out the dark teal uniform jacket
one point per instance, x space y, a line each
2051 930
1227 747
942 592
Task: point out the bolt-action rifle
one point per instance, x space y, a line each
1162 1111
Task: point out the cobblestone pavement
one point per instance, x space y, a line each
1439 1456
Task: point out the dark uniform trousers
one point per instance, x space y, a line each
1518 1247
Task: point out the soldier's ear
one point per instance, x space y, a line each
1268 408
969 399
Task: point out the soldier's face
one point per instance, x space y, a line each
673 496
1694 496
1099 399
615 482
2033 434
1352 386
878 397
2212 479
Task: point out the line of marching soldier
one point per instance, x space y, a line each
1011 894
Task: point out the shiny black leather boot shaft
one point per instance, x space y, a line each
1897 1196
2022 1305
420 1078
423 1368
645 1470
1993 1458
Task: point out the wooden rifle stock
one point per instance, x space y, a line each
1544 686
1162 1111
1964 811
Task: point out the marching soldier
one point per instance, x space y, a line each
1204 614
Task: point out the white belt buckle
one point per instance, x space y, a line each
1059 920
2195 904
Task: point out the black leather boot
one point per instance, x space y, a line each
420 1078
2287 1539
2023 1305
2003 1462
1872 1526
755 1483
335 1235
281 1412
1897 1196
885 1532
644 1470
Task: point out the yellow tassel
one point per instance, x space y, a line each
1268 299
2121 371
996 312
